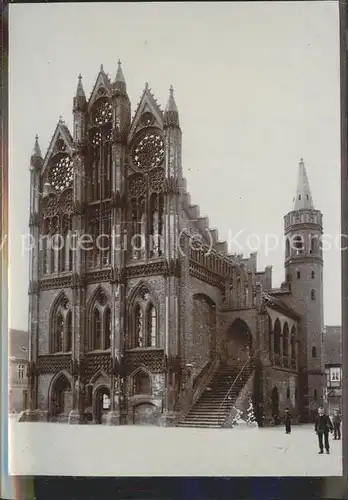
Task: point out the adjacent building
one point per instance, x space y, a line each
140 324
18 370
333 367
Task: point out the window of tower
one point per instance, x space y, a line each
298 274
299 196
313 275
315 395
298 244
288 393
312 294
314 352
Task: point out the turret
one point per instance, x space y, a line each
36 162
121 104
79 110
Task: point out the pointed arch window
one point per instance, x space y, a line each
141 383
139 326
151 326
60 337
313 275
97 330
313 295
69 331
314 244
277 341
156 225
107 328
298 244
314 352
59 333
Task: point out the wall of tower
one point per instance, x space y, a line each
304 274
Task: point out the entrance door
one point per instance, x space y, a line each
239 343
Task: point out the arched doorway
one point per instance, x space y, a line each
61 398
145 414
102 404
275 404
239 342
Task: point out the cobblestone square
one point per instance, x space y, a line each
59 449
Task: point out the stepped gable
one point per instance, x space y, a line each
275 303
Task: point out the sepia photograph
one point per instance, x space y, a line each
175 239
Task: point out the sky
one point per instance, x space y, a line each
257 87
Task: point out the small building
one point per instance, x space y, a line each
333 367
18 370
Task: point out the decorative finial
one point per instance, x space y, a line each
119 62
301 160
171 91
80 77
101 68
146 85
60 119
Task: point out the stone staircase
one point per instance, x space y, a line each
213 407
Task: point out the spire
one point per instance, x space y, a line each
36 157
171 114
37 150
80 98
120 82
303 199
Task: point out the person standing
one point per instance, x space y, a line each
337 424
287 421
323 426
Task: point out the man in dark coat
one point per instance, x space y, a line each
287 421
337 424
323 426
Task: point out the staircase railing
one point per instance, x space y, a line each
247 362
203 379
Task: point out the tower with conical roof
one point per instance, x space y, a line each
304 274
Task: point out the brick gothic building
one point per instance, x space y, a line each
157 332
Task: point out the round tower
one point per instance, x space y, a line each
304 274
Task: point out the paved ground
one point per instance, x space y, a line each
61 449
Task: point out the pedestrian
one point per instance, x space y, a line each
337 424
323 426
287 421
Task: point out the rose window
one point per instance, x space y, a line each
148 151
61 174
103 113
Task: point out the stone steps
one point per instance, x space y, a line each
212 407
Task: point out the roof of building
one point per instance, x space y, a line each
280 306
333 345
19 345
303 199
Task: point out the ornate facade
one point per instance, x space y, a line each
130 315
